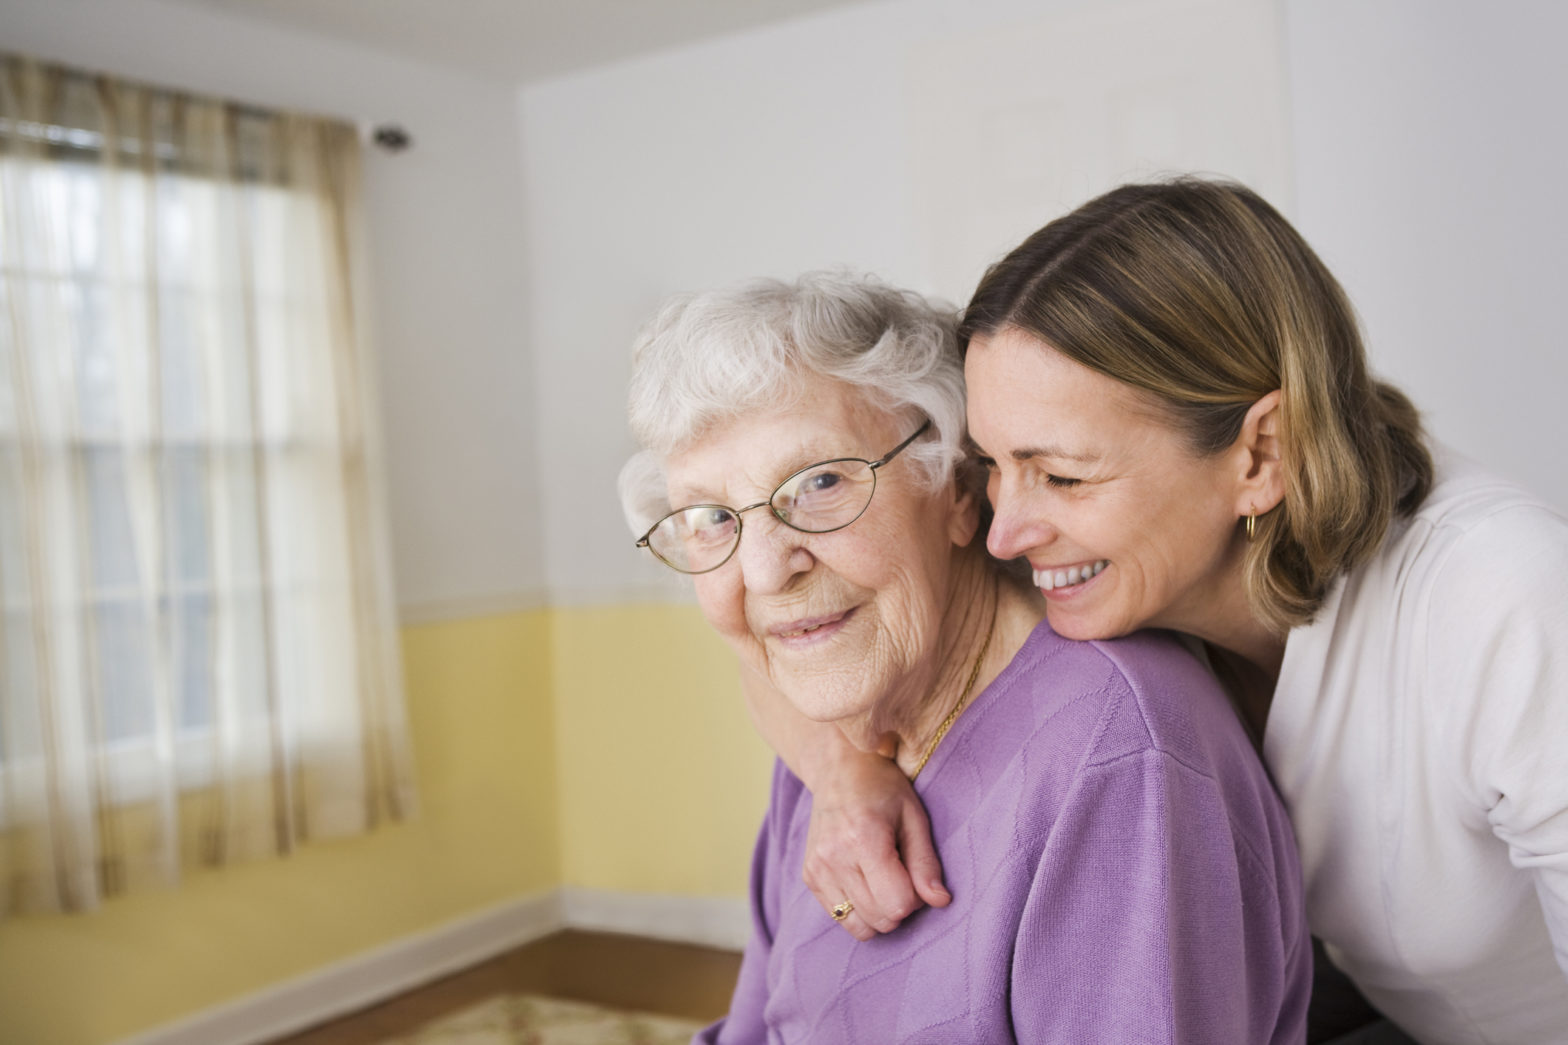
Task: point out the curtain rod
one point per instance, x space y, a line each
388 137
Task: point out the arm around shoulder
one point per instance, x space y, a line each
870 841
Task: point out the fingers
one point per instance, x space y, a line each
824 878
856 925
920 859
890 895
870 877
860 822
830 897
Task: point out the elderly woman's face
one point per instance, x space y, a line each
846 623
1123 525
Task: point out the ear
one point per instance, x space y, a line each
963 520
1259 471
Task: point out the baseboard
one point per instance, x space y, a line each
364 979
373 976
711 921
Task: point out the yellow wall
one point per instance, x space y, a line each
606 748
483 730
663 779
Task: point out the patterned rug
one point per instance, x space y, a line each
532 1019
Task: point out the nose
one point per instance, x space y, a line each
771 554
1016 525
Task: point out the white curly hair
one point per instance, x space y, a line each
706 358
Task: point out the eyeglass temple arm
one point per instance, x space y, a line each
900 447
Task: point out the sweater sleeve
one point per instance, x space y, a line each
1154 918
744 1024
1497 653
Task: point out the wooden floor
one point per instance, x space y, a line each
624 971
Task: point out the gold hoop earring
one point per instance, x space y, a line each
1252 527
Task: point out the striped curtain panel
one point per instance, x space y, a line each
198 657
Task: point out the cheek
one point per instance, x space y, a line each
1197 527
1187 546
723 605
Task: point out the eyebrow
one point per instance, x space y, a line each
707 497
1029 453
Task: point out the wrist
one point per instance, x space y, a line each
840 766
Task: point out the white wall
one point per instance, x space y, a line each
521 241
1432 175
918 139
449 286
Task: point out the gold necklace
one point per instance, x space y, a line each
963 698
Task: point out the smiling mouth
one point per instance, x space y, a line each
799 629
1067 576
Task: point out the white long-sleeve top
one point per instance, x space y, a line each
1419 735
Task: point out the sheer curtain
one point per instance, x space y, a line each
197 644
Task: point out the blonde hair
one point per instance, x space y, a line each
1202 295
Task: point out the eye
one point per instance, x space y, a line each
707 524
825 496
1061 482
818 488
988 463
818 482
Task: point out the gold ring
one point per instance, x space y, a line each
841 910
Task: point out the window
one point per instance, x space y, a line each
197 658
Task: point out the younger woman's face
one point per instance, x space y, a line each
1124 526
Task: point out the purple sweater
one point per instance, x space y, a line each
1121 871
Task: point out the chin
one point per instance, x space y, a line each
816 711
1082 628
821 704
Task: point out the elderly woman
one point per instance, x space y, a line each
1182 433
1119 865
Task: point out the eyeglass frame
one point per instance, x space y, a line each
740 523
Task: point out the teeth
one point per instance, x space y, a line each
1048 580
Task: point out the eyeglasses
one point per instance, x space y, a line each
820 498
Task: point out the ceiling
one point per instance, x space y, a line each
518 40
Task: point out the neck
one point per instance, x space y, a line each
1250 687
1245 652
1220 614
968 619
1255 648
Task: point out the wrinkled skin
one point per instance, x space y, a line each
855 628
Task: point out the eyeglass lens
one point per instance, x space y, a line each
816 499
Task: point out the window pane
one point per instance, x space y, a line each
186 513
97 383
82 217
193 661
114 567
125 669
180 383
237 503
